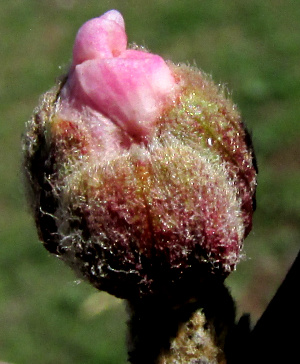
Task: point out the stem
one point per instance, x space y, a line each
193 331
275 337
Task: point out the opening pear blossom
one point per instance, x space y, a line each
141 173
129 87
141 176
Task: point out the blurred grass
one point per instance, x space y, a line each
253 47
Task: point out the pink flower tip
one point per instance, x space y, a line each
129 87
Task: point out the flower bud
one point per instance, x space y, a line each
141 174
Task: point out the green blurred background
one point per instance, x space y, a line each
46 316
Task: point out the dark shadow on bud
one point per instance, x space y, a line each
172 330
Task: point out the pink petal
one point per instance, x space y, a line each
130 91
129 87
102 37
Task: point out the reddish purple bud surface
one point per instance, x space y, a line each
141 174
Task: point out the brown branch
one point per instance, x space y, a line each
275 338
